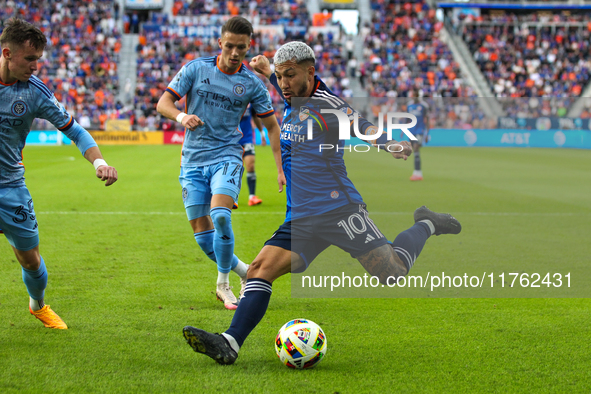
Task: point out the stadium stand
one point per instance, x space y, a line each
404 51
541 55
80 61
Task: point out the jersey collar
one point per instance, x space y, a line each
217 63
8 84
316 85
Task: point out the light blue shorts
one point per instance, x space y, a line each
17 217
201 183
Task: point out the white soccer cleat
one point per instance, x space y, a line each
224 294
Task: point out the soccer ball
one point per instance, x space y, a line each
300 344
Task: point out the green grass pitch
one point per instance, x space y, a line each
126 275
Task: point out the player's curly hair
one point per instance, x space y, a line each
238 25
296 51
17 32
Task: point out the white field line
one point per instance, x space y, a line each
283 213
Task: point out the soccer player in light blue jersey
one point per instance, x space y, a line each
218 90
23 97
323 206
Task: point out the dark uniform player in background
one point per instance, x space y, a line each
421 131
248 143
322 204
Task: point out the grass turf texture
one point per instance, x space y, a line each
127 282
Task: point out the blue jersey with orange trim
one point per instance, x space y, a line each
316 174
219 100
246 126
420 111
20 104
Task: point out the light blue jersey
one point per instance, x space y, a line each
219 100
20 104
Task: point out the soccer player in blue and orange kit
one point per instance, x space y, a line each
218 90
248 143
418 108
322 204
24 98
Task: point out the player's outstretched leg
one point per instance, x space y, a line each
271 263
409 243
443 223
223 348
215 346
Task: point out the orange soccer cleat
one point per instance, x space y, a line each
49 318
254 200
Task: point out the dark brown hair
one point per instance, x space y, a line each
237 25
17 32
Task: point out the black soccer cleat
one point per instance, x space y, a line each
444 223
212 345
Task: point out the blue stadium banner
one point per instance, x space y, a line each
185 31
295 30
47 137
544 123
559 5
511 138
580 139
144 4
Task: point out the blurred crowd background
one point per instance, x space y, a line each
535 63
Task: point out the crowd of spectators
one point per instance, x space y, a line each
443 112
532 55
404 54
263 12
544 57
164 47
404 51
80 62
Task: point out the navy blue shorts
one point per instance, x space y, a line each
349 228
248 149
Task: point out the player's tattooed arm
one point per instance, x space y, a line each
383 263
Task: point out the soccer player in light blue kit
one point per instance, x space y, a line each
323 206
23 98
421 131
218 90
